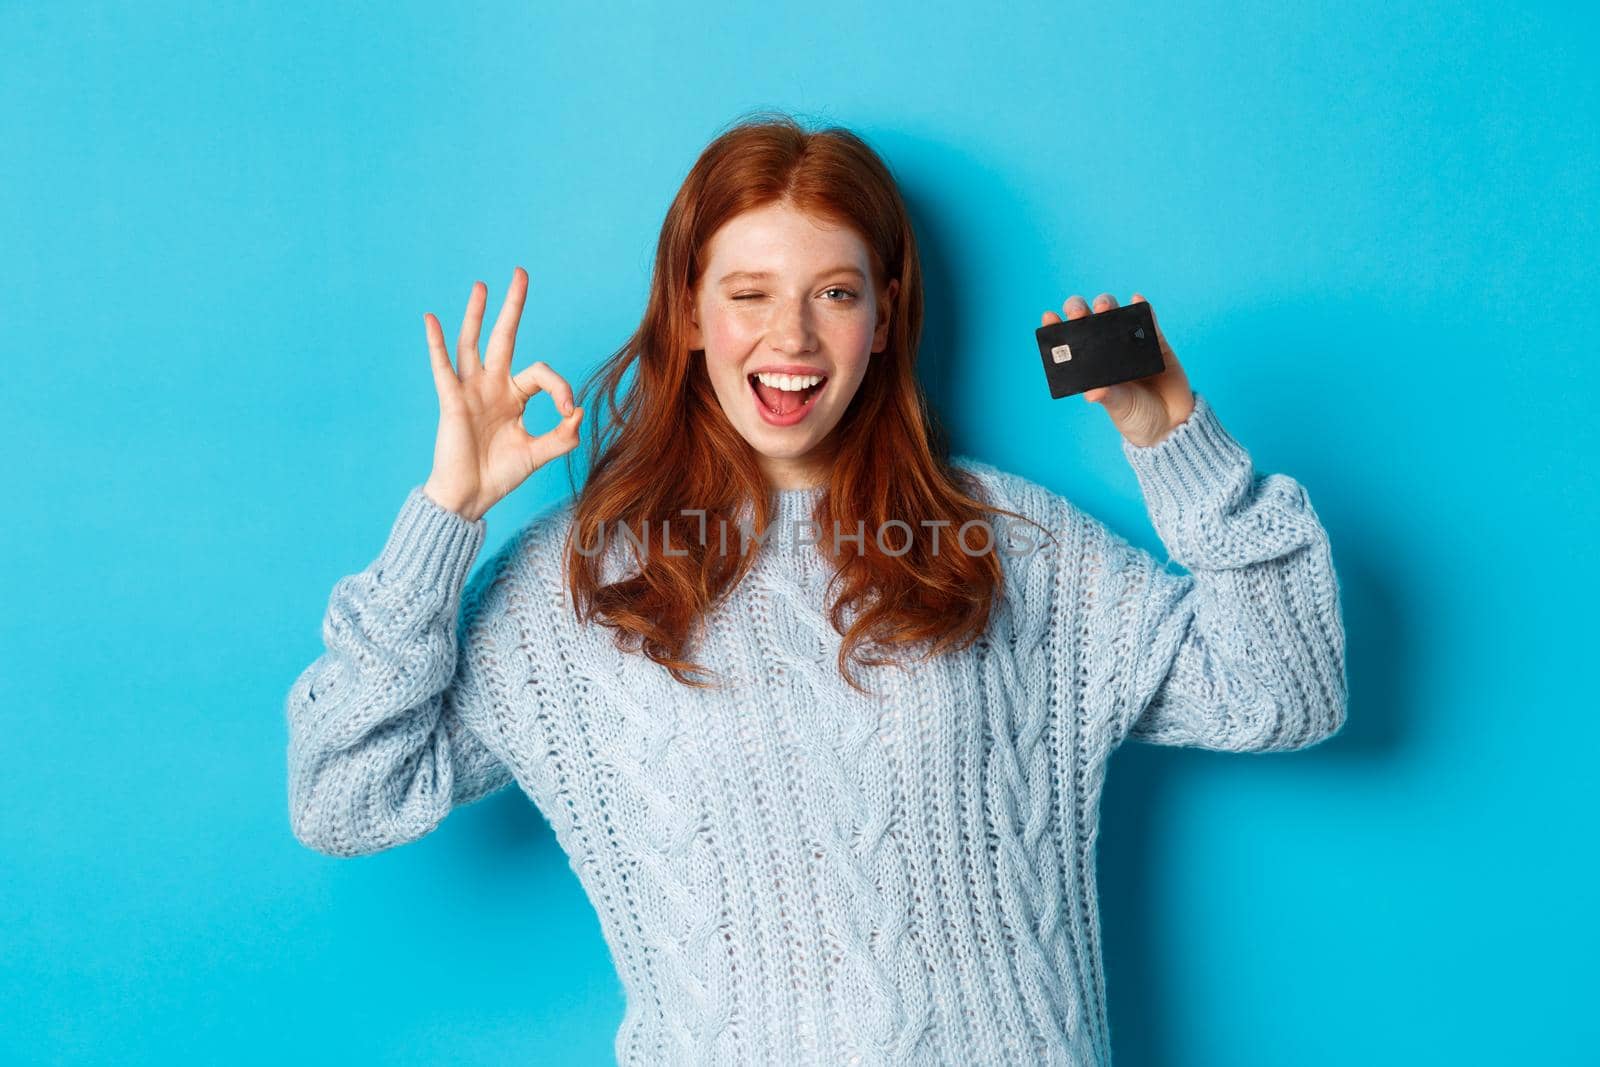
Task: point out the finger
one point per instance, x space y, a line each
1105 302
504 337
471 322
1076 307
444 375
557 442
1049 318
540 375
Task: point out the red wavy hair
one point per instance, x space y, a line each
668 445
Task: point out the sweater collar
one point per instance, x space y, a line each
792 533
796 505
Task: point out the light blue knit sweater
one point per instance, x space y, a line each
789 873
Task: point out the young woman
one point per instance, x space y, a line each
819 713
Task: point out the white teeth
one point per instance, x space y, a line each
792 383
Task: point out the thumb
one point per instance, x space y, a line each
1116 399
555 442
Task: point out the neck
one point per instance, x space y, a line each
786 479
809 471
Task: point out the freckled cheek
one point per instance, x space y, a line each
730 336
856 336
727 346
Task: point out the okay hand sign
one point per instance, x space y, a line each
483 451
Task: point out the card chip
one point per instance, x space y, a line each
1061 353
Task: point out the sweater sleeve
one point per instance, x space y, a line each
1245 653
379 747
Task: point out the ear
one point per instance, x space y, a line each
880 336
696 342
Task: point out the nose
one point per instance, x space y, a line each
790 330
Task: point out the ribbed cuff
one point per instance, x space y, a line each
430 545
1197 461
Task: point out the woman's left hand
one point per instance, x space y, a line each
1144 410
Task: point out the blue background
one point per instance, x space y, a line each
1369 231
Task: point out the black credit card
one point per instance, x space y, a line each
1102 348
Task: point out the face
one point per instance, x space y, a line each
787 313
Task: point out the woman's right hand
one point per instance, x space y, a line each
483 451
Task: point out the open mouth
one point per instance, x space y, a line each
785 399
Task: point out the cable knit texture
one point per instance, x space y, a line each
785 871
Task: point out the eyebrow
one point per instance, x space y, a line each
757 274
